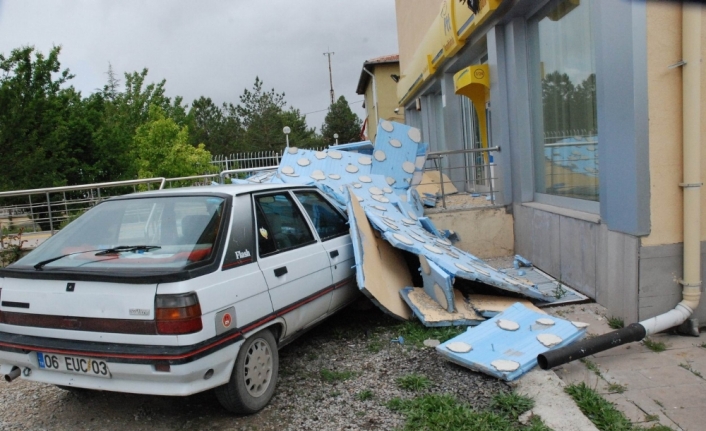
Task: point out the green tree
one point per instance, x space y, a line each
123 112
219 129
161 148
340 119
38 121
263 116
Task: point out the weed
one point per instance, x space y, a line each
703 345
603 413
335 376
655 346
616 322
651 418
311 356
617 388
413 382
335 394
365 395
511 404
415 333
436 412
559 291
693 371
374 346
591 366
658 403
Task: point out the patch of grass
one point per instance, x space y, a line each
511 404
365 395
655 346
415 333
413 382
693 371
617 388
651 418
591 366
616 322
602 412
444 412
335 376
374 346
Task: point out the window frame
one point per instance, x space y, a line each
297 207
311 222
536 117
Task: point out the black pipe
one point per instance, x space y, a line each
572 352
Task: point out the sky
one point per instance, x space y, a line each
213 48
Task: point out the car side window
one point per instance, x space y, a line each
280 224
328 222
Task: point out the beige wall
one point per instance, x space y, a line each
665 124
414 17
387 97
484 232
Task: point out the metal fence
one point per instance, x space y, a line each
477 172
253 159
47 209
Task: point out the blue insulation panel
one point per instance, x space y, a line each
491 343
453 320
438 284
381 183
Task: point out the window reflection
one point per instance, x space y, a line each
566 162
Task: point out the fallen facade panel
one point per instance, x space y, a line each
506 346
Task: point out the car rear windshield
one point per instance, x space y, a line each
154 232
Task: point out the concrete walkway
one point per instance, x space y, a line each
649 387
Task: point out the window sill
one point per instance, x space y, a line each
580 215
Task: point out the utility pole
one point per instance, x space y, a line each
330 75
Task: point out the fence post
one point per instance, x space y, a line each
51 222
31 214
441 180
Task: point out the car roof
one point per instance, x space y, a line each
227 189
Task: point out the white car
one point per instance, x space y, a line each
178 291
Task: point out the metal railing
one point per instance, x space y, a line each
48 207
253 159
479 174
47 212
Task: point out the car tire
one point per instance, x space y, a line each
254 376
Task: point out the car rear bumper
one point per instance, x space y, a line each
181 379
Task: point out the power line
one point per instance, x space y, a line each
322 110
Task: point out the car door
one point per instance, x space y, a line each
294 263
332 228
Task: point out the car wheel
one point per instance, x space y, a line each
254 377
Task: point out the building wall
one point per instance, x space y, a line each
661 252
416 16
387 97
665 112
387 92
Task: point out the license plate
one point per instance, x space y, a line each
73 364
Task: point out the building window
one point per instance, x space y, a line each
563 84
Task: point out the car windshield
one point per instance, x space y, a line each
145 232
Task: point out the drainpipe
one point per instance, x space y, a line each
375 98
691 281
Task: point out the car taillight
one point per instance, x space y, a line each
178 314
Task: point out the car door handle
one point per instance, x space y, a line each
280 271
333 254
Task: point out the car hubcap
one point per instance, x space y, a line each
258 368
